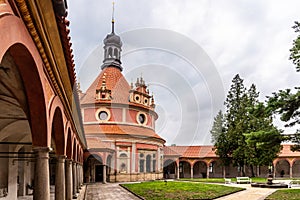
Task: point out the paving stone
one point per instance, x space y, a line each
109 191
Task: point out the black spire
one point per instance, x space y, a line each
112 48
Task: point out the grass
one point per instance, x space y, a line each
221 180
290 194
179 190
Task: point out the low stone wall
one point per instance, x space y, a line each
133 177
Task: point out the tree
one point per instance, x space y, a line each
219 139
295 50
218 127
235 121
263 138
245 133
284 102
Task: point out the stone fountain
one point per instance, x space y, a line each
269 183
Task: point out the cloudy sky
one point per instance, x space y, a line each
188 52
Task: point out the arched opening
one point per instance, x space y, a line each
184 169
94 168
199 170
110 52
215 169
123 163
282 169
69 145
34 107
23 120
58 133
109 167
58 146
170 169
116 53
296 169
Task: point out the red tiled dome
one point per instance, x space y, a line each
115 82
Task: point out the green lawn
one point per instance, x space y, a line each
221 180
286 194
179 190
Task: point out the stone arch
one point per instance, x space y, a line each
78 153
57 132
282 168
184 169
109 164
18 42
200 169
296 168
33 100
94 171
69 144
170 169
215 169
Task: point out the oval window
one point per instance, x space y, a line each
142 118
103 115
137 98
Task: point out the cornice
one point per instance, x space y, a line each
46 52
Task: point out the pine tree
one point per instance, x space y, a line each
245 133
219 139
284 102
263 138
218 127
235 120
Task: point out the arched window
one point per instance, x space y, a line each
123 163
154 165
105 53
148 163
110 52
142 162
116 55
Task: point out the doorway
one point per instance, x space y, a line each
98 173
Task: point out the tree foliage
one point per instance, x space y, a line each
245 133
218 127
287 103
295 50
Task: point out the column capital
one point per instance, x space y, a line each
61 158
42 149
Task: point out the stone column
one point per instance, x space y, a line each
12 175
22 179
104 174
77 179
81 175
274 171
178 171
74 179
207 170
291 171
192 172
69 181
41 174
60 190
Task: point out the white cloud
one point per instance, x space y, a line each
247 37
